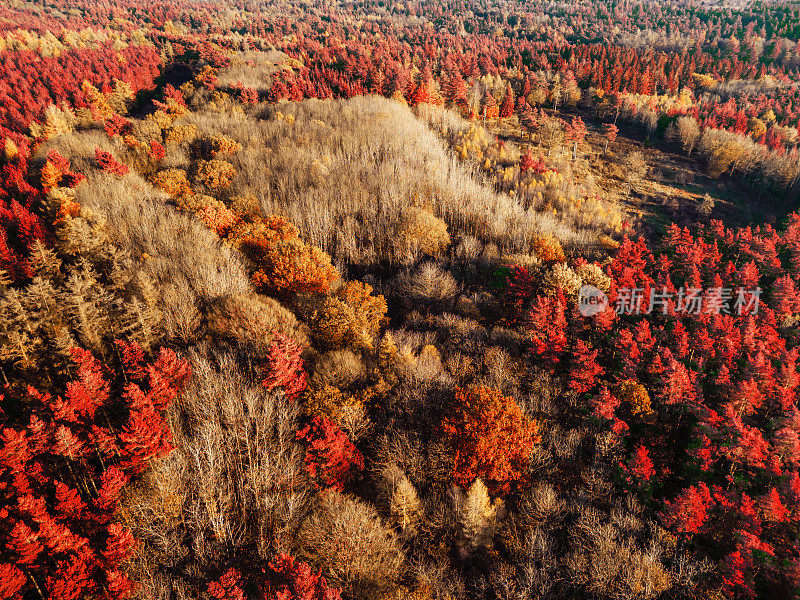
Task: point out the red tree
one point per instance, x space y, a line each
284 367
330 456
61 474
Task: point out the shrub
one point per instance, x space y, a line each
327 401
430 286
332 323
108 163
227 587
369 311
561 277
217 216
156 151
491 437
215 174
283 263
592 274
346 538
252 321
418 231
173 181
214 146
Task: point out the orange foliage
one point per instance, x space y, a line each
548 249
283 262
172 181
51 175
217 216
369 310
635 396
216 174
491 436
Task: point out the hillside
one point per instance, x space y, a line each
370 302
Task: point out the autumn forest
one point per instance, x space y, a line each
374 300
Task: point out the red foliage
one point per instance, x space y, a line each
547 325
156 151
491 437
507 105
30 82
330 455
689 511
227 587
61 473
117 125
520 285
639 468
109 164
20 225
284 578
722 387
291 579
284 367
772 507
583 367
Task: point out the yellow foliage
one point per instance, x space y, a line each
330 321
218 145
635 396
420 229
180 133
704 81
215 174
10 149
98 103
172 181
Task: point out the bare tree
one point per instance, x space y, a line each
550 134
688 132
635 168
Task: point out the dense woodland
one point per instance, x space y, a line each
289 300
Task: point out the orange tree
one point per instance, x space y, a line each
283 262
491 437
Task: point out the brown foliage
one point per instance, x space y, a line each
252 321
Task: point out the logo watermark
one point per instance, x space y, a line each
712 301
591 300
